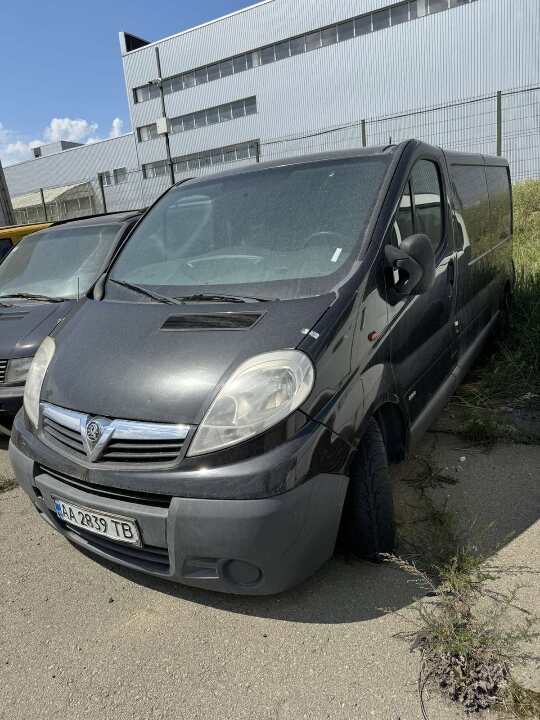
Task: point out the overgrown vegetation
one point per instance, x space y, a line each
470 633
469 637
510 370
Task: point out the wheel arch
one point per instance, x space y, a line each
394 427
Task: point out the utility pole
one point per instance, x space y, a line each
164 114
499 123
43 205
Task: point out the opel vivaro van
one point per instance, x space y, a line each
264 344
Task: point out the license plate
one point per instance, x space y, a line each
114 527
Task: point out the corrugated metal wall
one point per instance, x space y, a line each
6 211
471 50
71 166
467 51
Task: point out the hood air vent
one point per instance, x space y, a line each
13 316
216 321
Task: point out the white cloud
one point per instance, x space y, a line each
67 129
116 128
15 147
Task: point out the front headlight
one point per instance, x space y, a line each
261 392
17 370
34 381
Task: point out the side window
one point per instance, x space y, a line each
473 206
427 194
403 223
500 203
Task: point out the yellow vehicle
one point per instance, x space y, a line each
10 235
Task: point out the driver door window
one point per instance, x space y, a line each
427 196
404 221
421 208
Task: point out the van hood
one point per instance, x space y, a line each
25 324
163 363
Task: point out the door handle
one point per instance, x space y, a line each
451 272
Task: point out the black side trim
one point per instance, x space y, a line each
446 390
115 493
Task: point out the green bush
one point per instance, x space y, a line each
512 371
527 230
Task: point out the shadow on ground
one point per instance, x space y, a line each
491 495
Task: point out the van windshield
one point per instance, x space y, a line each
284 232
61 262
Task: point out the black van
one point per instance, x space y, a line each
40 282
265 343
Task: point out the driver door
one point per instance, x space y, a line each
423 347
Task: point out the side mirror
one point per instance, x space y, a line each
412 265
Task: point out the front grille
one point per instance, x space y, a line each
146 557
113 493
125 442
64 436
3 371
142 451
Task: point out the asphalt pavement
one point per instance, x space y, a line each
84 639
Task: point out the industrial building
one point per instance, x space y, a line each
266 80
6 211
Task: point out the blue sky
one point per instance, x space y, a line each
60 64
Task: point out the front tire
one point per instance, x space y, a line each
368 519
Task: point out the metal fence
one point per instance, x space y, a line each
506 123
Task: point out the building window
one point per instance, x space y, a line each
218 156
146 92
212 116
155 169
363 25
346 31
105 178
436 6
120 176
147 132
400 14
329 36
392 14
381 19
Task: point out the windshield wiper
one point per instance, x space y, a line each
202 297
144 291
34 296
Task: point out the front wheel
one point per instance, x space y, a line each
368 517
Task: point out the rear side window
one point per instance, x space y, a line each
427 195
473 206
498 183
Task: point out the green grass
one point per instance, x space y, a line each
471 634
510 370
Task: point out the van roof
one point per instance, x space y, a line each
452 157
457 158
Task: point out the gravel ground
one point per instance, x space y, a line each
81 639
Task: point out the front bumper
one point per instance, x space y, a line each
246 546
11 399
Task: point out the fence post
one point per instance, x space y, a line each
102 192
43 205
499 123
364 136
